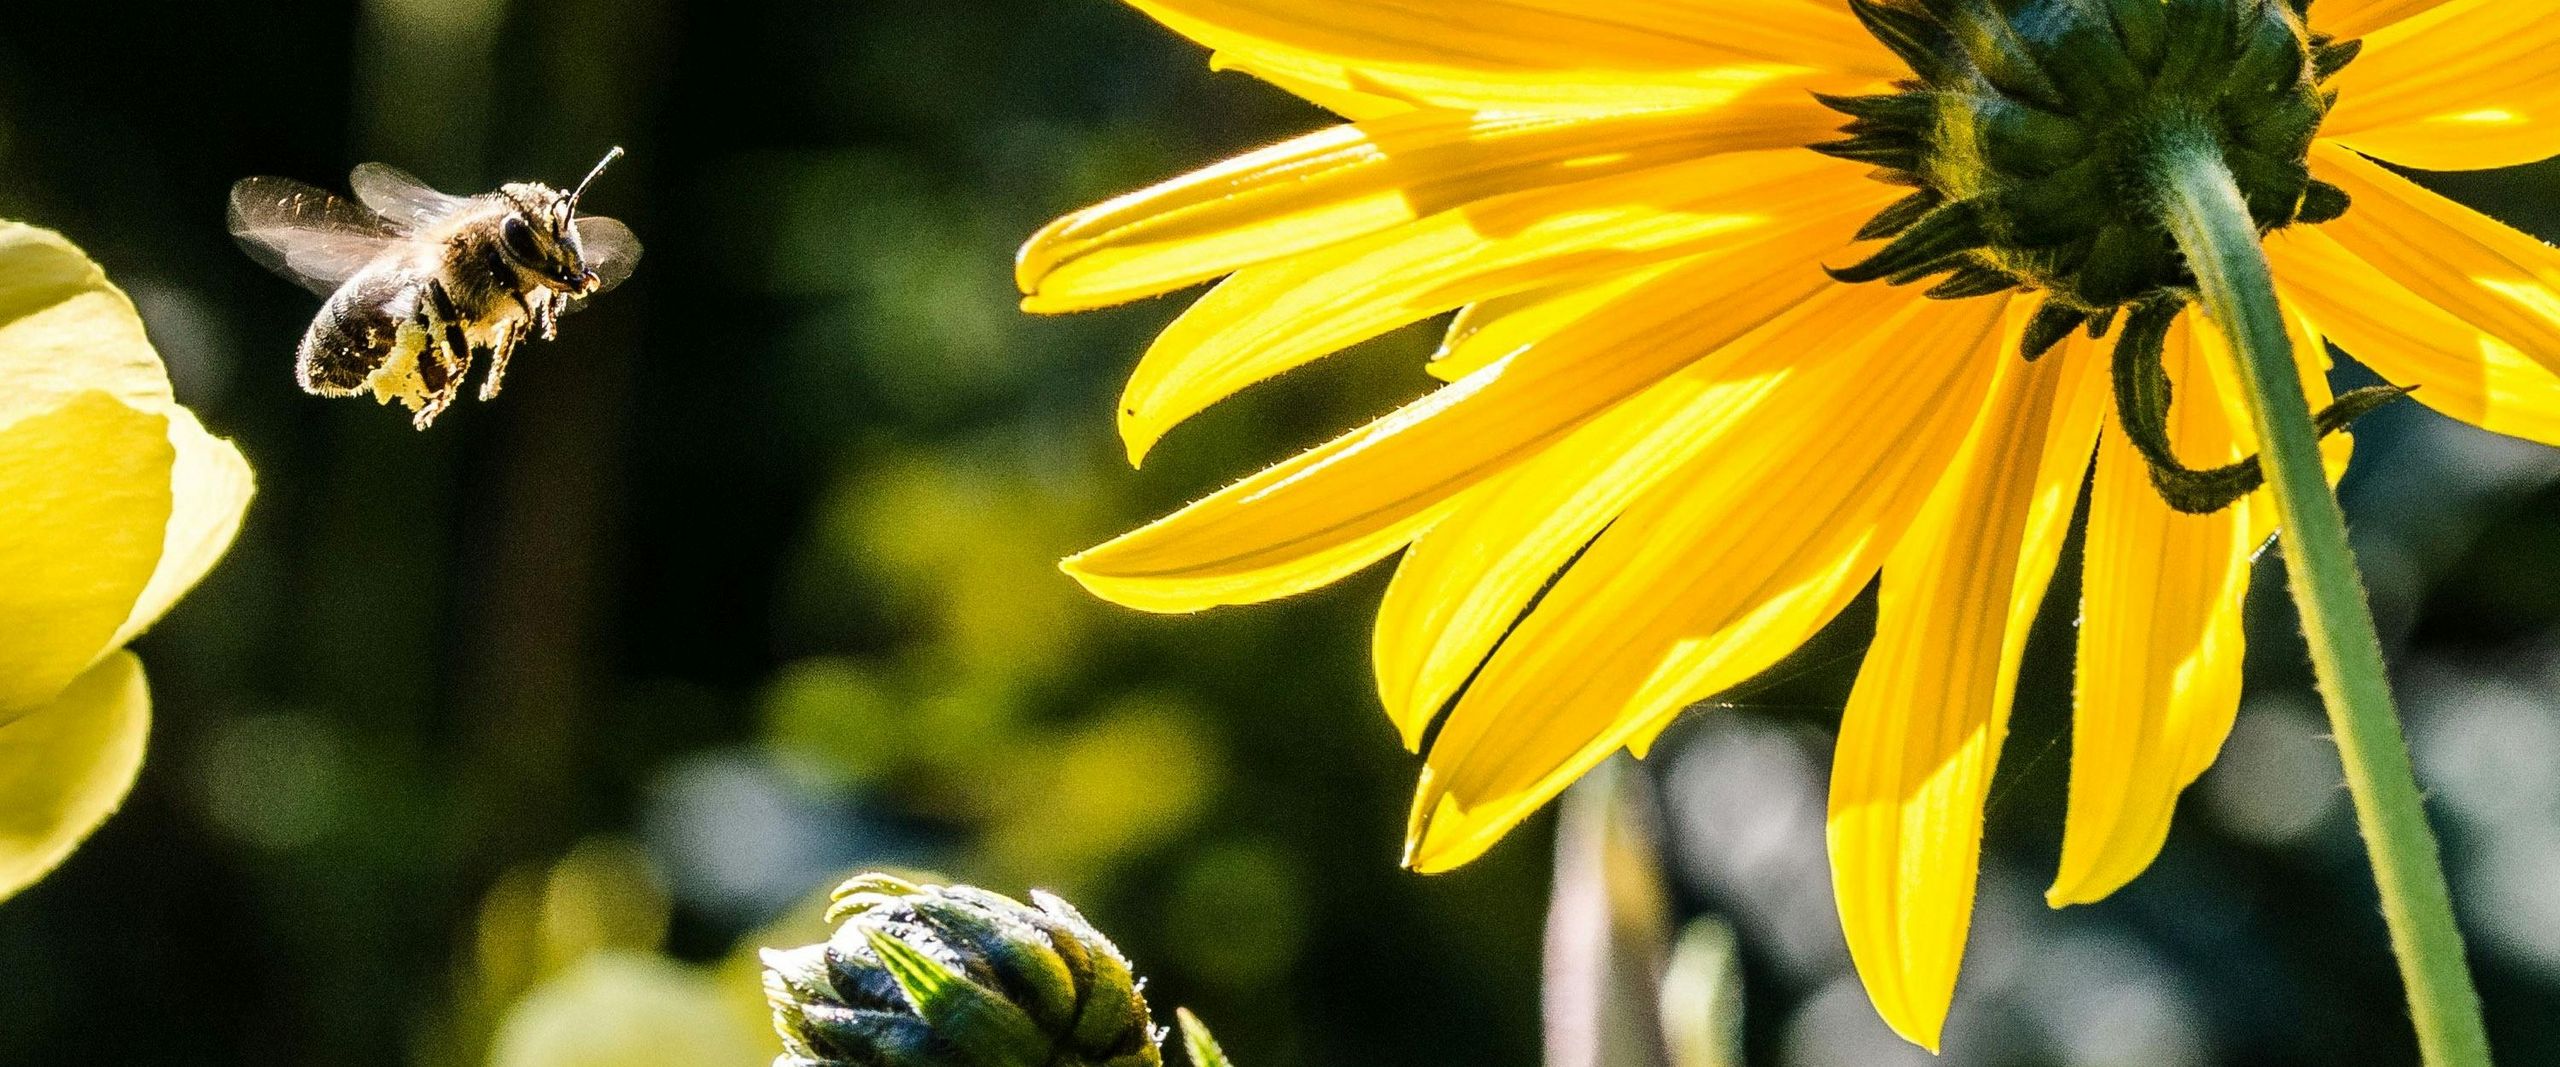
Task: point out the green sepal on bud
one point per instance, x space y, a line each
955 976
2142 407
2029 131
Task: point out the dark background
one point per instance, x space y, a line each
747 581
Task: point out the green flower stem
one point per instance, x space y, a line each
2201 205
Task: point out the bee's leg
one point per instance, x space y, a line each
510 334
446 358
546 314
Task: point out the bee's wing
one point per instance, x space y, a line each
305 233
611 249
407 202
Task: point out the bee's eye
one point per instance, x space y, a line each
519 239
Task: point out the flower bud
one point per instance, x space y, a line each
956 976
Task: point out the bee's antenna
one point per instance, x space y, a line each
601 164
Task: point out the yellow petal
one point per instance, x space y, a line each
66 765
1271 318
2460 369
1465 581
84 511
2161 641
210 485
1731 563
65 332
2470 84
1484 332
2502 282
1322 91
2345 19
1529 53
1922 731
1345 504
1349 181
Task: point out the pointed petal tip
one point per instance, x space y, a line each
1138 434
2071 888
1038 256
1925 1029
1093 569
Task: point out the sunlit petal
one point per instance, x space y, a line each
210 486
2467 85
1922 731
1461 585
66 765
1346 182
1338 507
2346 19
1325 89
1738 558
2161 640
2502 282
2459 369
85 502
1483 332
65 332
1529 53
1268 319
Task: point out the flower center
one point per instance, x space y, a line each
2028 130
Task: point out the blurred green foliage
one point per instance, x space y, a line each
749 579
491 740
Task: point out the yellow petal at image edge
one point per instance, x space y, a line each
2459 369
85 502
2466 86
1534 55
2348 19
64 331
66 766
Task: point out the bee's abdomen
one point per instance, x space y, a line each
357 330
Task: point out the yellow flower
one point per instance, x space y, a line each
1671 446
113 502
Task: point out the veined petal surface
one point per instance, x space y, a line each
1268 319
1529 53
1349 502
85 501
66 765
2459 369
1739 557
1462 584
2467 85
2161 642
2345 19
1922 730
2476 268
1346 182
1483 332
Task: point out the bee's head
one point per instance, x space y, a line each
541 234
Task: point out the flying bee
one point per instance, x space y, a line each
420 282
